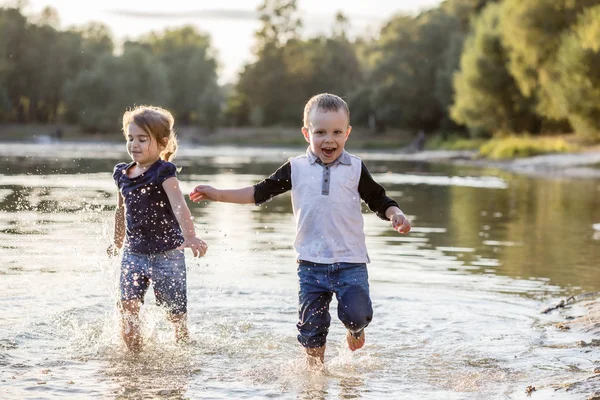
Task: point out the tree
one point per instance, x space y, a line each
532 31
577 91
487 97
266 81
407 56
191 68
100 96
13 43
280 23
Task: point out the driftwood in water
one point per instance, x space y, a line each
570 300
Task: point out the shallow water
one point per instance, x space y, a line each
457 302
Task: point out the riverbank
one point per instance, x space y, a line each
576 327
275 136
584 163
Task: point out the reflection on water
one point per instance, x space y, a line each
457 302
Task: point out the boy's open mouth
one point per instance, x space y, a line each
328 151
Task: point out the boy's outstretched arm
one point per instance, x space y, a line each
243 195
399 221
184 218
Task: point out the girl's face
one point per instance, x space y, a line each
143 148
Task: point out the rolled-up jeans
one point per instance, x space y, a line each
318 283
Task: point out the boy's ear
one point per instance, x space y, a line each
305 133
348 131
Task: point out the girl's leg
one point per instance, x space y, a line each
133 284
169 277
130 325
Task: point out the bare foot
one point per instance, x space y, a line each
355 343
182 335
315 357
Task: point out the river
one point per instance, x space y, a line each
457 302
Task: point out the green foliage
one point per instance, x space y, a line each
288 71
576 91
190 67
476 66
237 110
409 53
209 107
487 97
280 23
533 32
100 96
514 146
453 142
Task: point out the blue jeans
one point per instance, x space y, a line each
318 283
166 271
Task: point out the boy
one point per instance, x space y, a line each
327 184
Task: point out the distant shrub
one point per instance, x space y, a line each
527 146
453 142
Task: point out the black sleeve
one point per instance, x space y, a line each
374 194
279 182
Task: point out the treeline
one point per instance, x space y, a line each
472 66
77 76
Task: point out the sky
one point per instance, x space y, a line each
230 23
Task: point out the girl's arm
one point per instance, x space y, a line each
184 217
119 233
243 195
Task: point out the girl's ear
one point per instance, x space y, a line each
165 141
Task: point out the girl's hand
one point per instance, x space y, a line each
203 192
197 245
112 250
400 223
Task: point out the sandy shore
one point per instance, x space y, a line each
578 321
575 165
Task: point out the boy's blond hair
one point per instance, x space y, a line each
325 102
156 122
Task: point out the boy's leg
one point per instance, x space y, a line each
133 283
169 277
313 310
354 303
355 340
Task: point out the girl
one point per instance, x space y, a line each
152 214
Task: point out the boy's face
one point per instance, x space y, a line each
327 132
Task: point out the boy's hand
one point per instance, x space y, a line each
203 192
400 223
197 245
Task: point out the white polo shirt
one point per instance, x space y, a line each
326 200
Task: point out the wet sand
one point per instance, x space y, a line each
577 323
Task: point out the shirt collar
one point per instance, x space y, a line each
344 158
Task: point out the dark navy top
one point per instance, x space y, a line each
151 226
